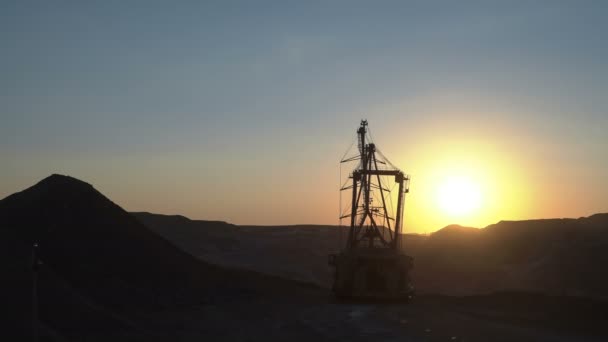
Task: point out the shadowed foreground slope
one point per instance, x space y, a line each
101 263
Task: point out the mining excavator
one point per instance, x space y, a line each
372 264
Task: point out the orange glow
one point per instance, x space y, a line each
464 181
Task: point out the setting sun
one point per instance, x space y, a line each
459 196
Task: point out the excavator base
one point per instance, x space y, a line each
372 273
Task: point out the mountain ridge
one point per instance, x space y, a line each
549 256
453 226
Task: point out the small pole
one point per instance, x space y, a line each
35 265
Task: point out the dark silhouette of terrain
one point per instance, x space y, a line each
105 275
101 264
552 256
556 256
297 252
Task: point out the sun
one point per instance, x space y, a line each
459 196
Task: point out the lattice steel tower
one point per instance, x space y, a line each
372 264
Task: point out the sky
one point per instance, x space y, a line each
241 111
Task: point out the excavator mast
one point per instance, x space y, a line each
372 264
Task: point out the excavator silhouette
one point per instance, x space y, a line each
372 265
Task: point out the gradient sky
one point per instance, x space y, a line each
240 111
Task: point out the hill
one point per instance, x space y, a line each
552 256
102 267
297 252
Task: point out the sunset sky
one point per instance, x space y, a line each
240 111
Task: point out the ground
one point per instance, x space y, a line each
427 318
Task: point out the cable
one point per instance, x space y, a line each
348 149
340 205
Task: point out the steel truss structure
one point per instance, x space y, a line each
372 263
